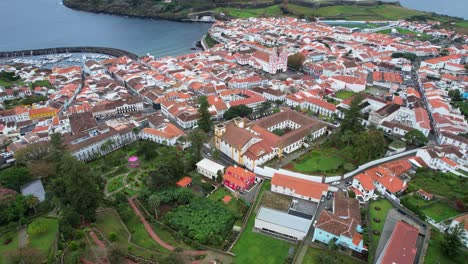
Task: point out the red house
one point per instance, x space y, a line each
238 178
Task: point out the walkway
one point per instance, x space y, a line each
155 237
148 227
22 237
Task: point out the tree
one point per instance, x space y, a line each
14 177
32 202
216 154
444 52
197 138
237 111
76 186
332 245
219 176
416 137
453 240
296 61
154 201
205 117
353 117
347 137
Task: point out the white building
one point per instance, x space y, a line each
209 168
282 224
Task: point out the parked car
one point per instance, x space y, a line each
335 183
323 198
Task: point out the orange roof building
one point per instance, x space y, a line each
297 187
184 182
237 178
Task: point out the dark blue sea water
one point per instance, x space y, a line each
458 8
32 24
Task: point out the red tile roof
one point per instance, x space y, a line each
366 181
184 182
401 247
300 186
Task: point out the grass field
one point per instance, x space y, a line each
4 249
108 222
319 161
43 241
350 12
385 206
434 252
447 185
259 248
344 94
439 211
315 256
235 206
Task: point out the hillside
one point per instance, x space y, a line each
326 9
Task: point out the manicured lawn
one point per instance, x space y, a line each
259 248
109 223
319 161
43 241
115 184
381 214
439 211
434 252
405 32
344 94
235 206
5 249
315 256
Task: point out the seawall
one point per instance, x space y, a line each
39 52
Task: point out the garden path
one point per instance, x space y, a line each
155 237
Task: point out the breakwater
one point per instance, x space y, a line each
39 52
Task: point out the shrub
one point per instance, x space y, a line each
349 166
377 208
113 237
375 232
376 219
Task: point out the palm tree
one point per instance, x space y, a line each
32 202
154 201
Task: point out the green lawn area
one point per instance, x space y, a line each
385 206
4 249
315 256
44 240
324 161
416 200
447 185
115 184
259 248
108 223
344 94
434 251
235 206
439 211
271 11
405 32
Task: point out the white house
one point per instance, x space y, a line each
363 187
209 168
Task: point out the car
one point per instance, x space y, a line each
335 183
329 196
323 198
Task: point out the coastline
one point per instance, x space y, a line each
118 13
185 18
60 50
